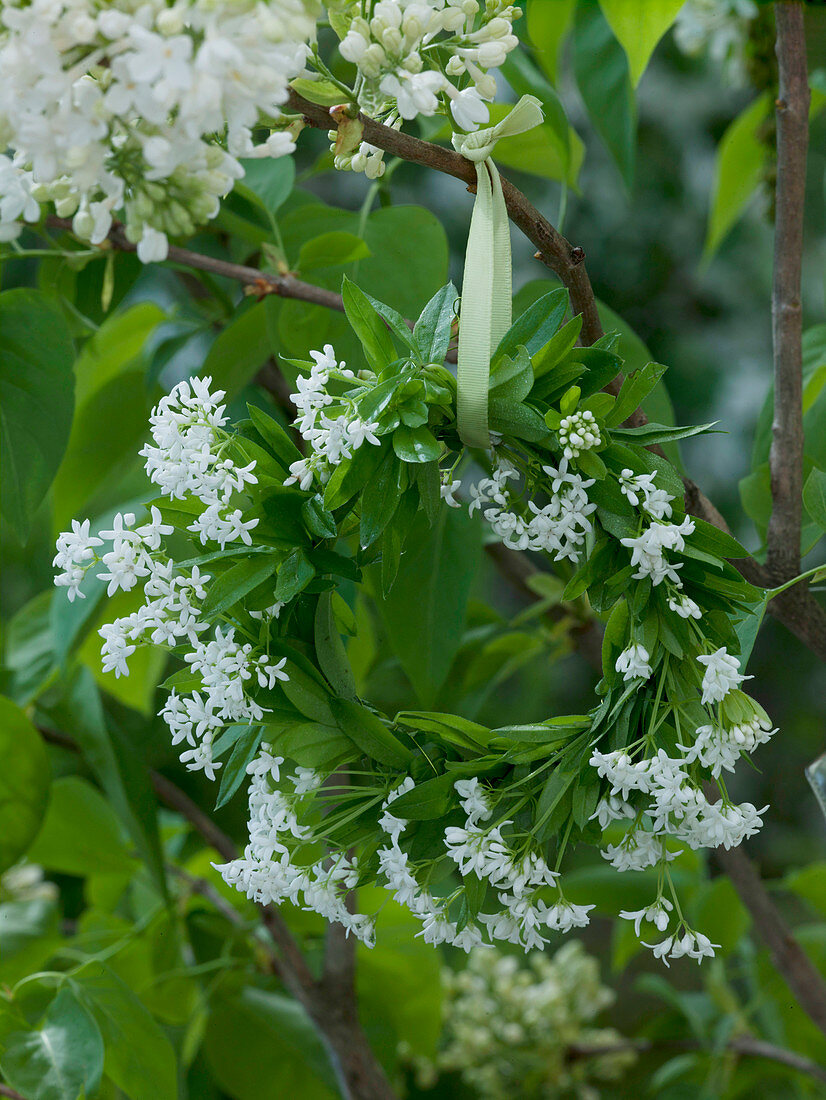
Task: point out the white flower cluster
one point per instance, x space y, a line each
578 432
270 870
332 438
559 527
661 799
520 879
114 106
634 663
718 28
641 492
648 551
394 53
509 1028
184 459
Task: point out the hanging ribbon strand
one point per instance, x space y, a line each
486 284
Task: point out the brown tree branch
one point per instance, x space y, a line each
742 1044
786 454
6 1090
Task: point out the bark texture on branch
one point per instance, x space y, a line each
786 455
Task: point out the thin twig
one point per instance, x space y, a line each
786 454
741 1044
260 283
6 1090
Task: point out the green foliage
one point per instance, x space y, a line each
24 782
37 401
638 26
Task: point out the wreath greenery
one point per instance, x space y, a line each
466 825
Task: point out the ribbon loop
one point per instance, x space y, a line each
486 309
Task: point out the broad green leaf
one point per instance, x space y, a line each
322 92
237 582
525 78
60 1060
260 1045
270 178
36 400
29 936
369 733
814 496
330 651
548 24
242 348
274 436
394 321
139 1058
416 444
310 744
331 250
117 765
24 782
319 521
137 690
368 326
638 26
602 75
741 157
649 434
112 407
536 326
428 800
425 612
81 834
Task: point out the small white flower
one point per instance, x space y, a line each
633 663
721 675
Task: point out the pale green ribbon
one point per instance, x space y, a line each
486 284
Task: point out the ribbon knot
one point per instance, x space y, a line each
486 310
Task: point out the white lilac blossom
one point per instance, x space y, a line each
559 528
634 663
641 492
577 433
718 28
721 675
648 550
113 108
332 439
513 1051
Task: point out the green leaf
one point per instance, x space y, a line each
429 486
634 389
368 326
260 1045
429 599
308 696
310 744
80 834
432 331
274 436
117 765
139 1058
525 78
271 179
234 771
394 321
536 326
602 75
242 348
814 496
548 24
369 734
649 434
294 574
112 402
557 347
416 444
240 579
741 157
426 801
60 1060
29 936
639 25
36 400
24 782
331 250
380 498
329 648
322 92
318 520
556 786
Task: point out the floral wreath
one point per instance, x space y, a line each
465 826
